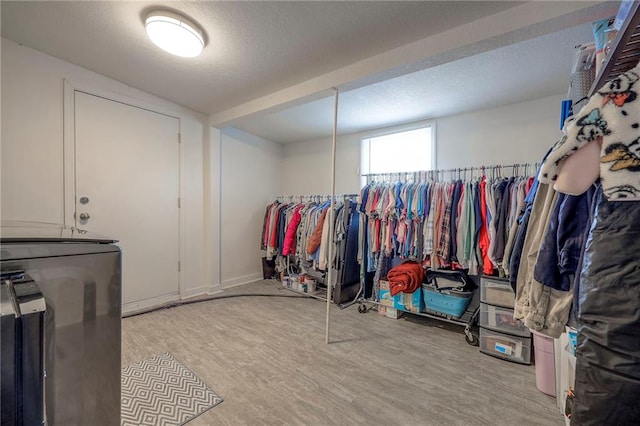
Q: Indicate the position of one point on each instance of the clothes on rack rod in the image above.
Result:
(302, 229)
(513, 225)
(290, 236)
(351, 266)
(546, 244)
(441, 224)
(483, 233)
(607, 283)
(550, 317)
(564, 240)
(521, 233)
(315, 239)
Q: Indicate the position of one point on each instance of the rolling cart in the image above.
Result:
(468, 320)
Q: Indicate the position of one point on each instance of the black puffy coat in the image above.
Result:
(607, 389)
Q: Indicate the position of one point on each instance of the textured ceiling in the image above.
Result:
(396, 61)
(527, 70)
(254, 48)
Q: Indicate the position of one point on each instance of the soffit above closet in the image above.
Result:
(531, 69)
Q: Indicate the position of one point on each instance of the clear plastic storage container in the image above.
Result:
(496, 292)
(501, 319)
(505, 346)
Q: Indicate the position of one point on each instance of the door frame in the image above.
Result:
(69, 166)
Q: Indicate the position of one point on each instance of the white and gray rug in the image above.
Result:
(162, 391)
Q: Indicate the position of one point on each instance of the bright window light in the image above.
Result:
(174, 33)
(408, 151)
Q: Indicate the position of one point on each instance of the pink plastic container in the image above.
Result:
(545, 363)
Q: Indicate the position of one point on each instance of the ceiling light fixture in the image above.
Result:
(174, 33)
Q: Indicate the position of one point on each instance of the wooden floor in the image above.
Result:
(267, 358)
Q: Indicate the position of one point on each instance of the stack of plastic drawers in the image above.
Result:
(500, 335)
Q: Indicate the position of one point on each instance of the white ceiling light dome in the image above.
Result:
(174, 33)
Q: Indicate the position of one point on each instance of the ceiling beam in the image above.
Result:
(523, 22)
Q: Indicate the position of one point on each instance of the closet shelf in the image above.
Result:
(626, 51)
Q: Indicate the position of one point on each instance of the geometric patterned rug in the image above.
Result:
(162, 391)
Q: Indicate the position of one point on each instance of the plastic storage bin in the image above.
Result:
(505, 346)
(501, 319)
(496, 292)
(545, 363)
(445, 302)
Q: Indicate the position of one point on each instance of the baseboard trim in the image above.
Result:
(198, 291)
(245, 279)
(144, 305)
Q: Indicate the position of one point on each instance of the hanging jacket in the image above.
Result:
(483, 240)
(608, 352)
(316, 238)
(265, 230)
(455, 210)
(290, 236)
(561, 248)
(611, 114)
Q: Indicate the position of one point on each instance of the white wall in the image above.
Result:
(32, 148)
(251, 177)
(229, 177)
(307, 166)
(518, 133)
(508, 134)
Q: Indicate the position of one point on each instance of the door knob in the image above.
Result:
(84, 216)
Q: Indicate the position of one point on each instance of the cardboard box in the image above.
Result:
(389, 312)
(412, 302)
(384, 294)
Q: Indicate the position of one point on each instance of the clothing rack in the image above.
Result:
(343, 272)
(312, 197)
(459, 173)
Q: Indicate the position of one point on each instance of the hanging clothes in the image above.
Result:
(607, 373)
(608, 352)
(313, 243)
(439, 224)
(483, 235)
(292, 229)
(303, 229)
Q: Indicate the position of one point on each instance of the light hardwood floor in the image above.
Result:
(267, 358)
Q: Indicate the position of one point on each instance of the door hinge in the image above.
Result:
(179, 203)
(179, 137)
(179, 266)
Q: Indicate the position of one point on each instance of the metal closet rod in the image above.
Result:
(314, 196)
(456, 170)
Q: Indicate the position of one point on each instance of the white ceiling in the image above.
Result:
(254, 48)
(264, 60)
(523, 71)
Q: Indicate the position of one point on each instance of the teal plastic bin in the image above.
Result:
(449, 302)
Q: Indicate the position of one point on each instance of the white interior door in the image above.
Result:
(127, 188)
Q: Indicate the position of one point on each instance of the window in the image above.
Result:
(407, 151)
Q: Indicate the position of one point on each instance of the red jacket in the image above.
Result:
(483, 241)
(290, 236)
